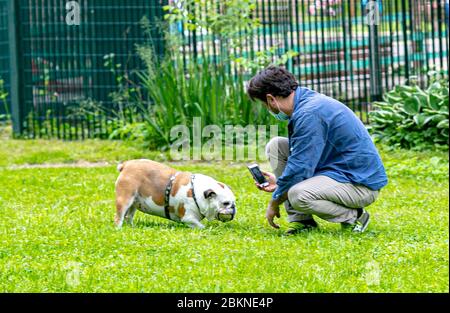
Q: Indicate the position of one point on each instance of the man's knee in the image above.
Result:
(299, 198)
(274, 144)
(370, 198)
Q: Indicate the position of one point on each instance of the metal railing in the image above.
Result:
(57, 69)
(4, 57)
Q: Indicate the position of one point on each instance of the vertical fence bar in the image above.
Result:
(365, 81)
(374, 50)
(389, 66)
(322, 53)
(405, 39)
(440, 35)
(5, 107)
(360, 59)
(348, 54)
(344, 28)
(296, 41)
(15, 68)
(302, 48)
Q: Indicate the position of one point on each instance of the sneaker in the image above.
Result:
(299, 227)
(361, 223)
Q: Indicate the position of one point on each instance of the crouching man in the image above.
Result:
(327, 167)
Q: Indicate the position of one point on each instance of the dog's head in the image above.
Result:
(220, 201)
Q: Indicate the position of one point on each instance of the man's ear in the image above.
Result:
(209, 194)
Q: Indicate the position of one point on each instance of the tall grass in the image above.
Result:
(3, 98)
(178, 91)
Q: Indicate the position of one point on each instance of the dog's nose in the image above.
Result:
(233, 211)
(227, 214)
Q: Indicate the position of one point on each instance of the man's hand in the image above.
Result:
(272, 211)
(272, 182)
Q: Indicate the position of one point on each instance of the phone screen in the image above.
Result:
(257, 174)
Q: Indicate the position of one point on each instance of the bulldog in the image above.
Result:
(160, 190)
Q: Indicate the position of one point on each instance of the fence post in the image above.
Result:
(15, 96)
(373, 18)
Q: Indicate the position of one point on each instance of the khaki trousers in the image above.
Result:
(319, 195)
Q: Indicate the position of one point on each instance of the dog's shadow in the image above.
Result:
(241, 229)
(150, 223)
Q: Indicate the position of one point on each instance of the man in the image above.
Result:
(328, 167)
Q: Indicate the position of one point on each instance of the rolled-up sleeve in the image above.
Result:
(307, 142)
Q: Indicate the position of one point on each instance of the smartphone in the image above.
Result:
(258, 175)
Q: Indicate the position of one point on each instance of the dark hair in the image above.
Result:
(273, 80)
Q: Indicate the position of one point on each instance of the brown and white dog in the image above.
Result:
(160, 190)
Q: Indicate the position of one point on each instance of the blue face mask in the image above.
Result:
(281, 116)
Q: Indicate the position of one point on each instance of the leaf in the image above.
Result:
(434, 87)
(392, 97)
(444, 110)
(412, 105)
(435, 102)
(443, 124)
(404, 88)
(422, 99)
(437, 118)
(419, 119)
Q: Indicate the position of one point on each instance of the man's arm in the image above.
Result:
(274, 210)
(307, 143)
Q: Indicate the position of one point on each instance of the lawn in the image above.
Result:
(57, 234)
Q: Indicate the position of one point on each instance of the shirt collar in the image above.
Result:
(297, 99)
(299, 96)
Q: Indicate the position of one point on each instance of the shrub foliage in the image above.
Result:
(413, 118)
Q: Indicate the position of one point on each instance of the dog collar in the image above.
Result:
(169, 189)
(167, 195)
(193, 192)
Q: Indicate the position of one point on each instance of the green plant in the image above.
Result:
(175, 88)
(412, 117)
(3, 98)
(179, 93)
(230, 23)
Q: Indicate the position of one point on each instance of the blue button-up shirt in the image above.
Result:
(327, 138)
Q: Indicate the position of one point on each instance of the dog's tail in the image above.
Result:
(120, 166)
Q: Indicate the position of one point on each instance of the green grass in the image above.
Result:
(17, 152)
(57, 233)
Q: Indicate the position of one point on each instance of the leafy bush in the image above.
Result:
(413, 118)
(176, 87)
(230, 27)
(177, 94)
(3, 97)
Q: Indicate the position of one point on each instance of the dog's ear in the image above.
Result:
(209, 194)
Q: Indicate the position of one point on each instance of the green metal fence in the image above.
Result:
(340, 53)
(60, 86)
(61, 73)
(4, 56)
